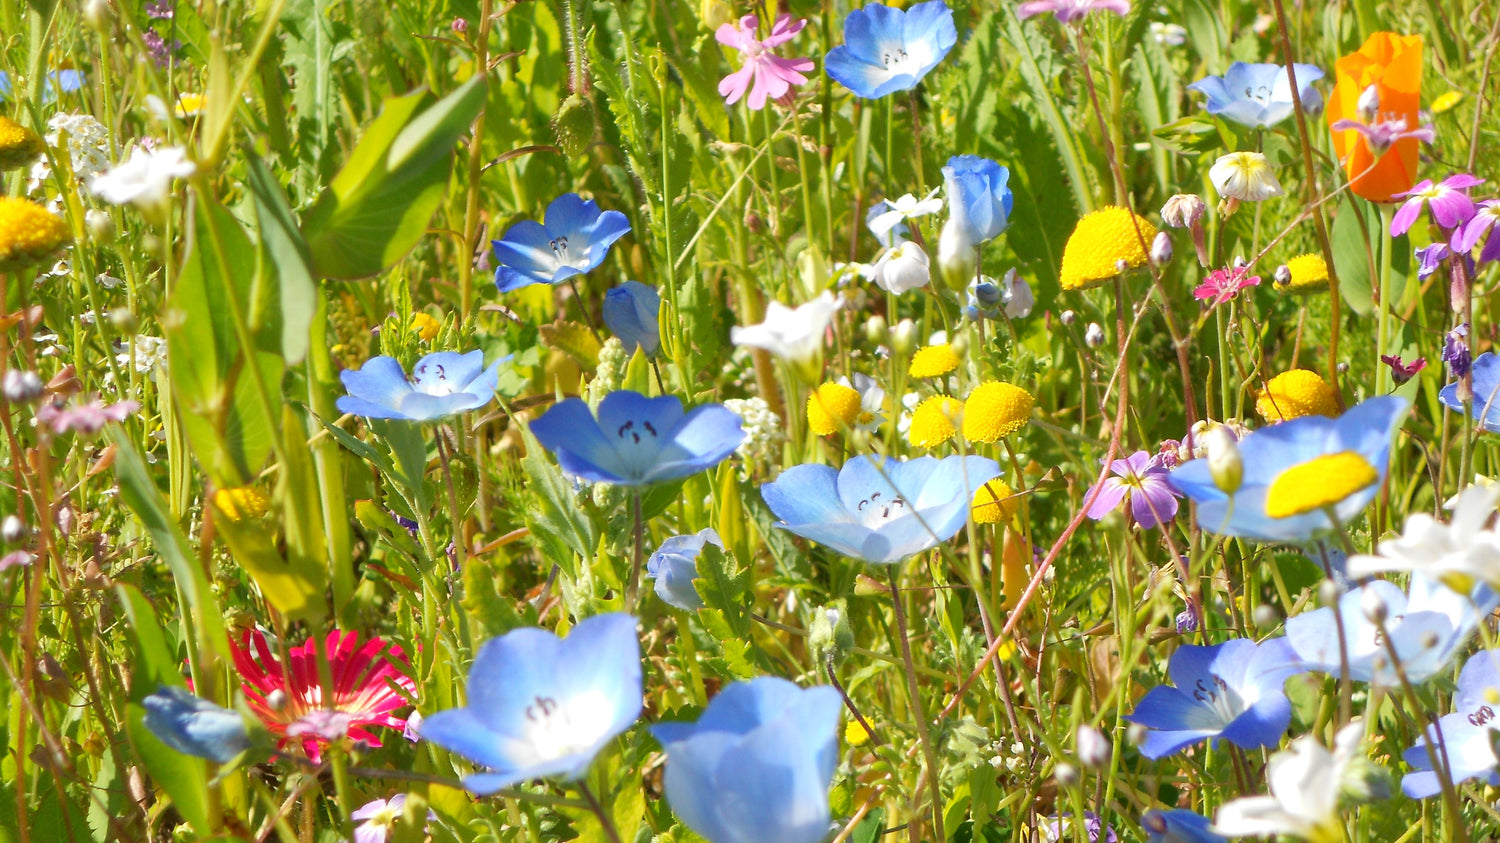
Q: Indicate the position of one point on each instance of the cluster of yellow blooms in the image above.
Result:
(29, 233)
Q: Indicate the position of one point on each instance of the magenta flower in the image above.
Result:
(1486, 214)
(1140, 482)
(764, 74)
(88, 418)
(1221, 285)
(1403, 372)
(1068, 11)
(1451, 206)
(1380, 136)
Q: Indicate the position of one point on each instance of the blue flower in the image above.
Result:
(636, 440)
(1231, 691)
(887, 50)
(1303, 445)
(881, 511)
(542, 706)
(1426, 625)
(574, 239)
(630, 312)
(675, 566)
(979, 202)
(1178, 826)
(1462, 738)
(757, 765)
(1259, 94)
(67, 81)
(1486, 404)
(195, 726)
(442, 384)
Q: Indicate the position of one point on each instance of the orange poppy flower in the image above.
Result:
(1393, 64)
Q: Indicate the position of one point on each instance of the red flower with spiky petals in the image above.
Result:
(364, 681)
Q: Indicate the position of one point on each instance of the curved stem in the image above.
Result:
(604, 820)
(915, 698)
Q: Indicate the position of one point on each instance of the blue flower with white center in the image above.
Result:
(542, 706)
(757, 765)
(441, 385)
(1231, 691)
(1179, 826)
(1259, 95)
(879, 510)
(1462, 739)
(67, 81)
(674, 565)
(636, 440)
(195, 726)
(979, 200)
(630, 311)
(1486, 404)
(573, 239)
(1426, 625)
(886, 50)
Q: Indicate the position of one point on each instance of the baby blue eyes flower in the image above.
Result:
(978, 199)
(573, 239)
(542, 706)
(1259, 95)
(757, 765)
(195, 726)
(887, 50)
(1486, 404)
(66, 80)
(636, 440)
(1231, 691)
(674, 565)
(881, 511)
(441, 384)
(630, 311)
(1463, 737)
(1178, 826)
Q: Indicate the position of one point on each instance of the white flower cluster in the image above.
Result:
(609, 375)
(88, 149)
(763, 434)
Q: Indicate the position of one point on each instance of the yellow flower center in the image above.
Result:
(19, 145)
(28, 233)
(1101, 241)
(932, 423)
(855, 734)
(995, 410)
(1309, 274)
(190, 105)
(1320, 482)
(242, 503)
(1297, 393)
(994, 503)
(934, 361)
(832, 407)
(426, 325)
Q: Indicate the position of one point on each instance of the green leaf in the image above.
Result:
(1351, 258)
(378, 206)
(286, 251)
(557, 515)
(725, 589)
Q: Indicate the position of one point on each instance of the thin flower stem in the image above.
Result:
(588, 317)
(1382, 376)
(632, 588)
(604, 820)
(460, 543)
(848, 703)
(476, 165)
(336, 757)
(915, 697)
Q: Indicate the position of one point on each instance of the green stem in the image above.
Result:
(914, 696)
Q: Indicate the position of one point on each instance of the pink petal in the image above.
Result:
(1461, 181)
(1407, 215)
(1109, 498)
(739, 36)
(783, 31)
(733, 86)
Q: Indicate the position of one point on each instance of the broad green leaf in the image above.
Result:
(725, 589)
(302, 516)
(557, 515)
(284, 249)
(1351, 258)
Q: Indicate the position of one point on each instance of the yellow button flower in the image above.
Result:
(1318, 483)
(996, 410)
(19, 146)
(1100, 242)
(242, 503)
(1306, 274)
(855, 734)
(426, 325)
(934, 361)
(832, 407)
(1445, 102)
(994, 503)
(29, 233)
(1297, 393)
(933, 422)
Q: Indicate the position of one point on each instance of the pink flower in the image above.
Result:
(1068, 11)
(1221, 285)
(1403, 372)
(1140, 483)
(1383, 135)
(1486, 215)
(87, 419)
(1451, 206)
(764, 74)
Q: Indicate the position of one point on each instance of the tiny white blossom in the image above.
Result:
(1304, 781)
(144, 179)
(794, 335)
(905, 208)
(903, 267)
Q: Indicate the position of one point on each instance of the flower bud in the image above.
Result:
(1093, 747)
(1136, 734)
(13, 529)
(1161, 249)
(1183, 210)
(21, 386)
(1283, 275)
(1364, 781)
(957, 256)
(1093, 335)
(1066, 774)
(1373, 605)
(959, 344)
(1368, 105)
(276, 700)
(101, 226)
(904, 337)
(876, 329)
(1265, 616)
(96, 14)
(1068, 317)
(1020, 300)
(1225, 465)
(459, 26)
(830, 637)
(1329, 592)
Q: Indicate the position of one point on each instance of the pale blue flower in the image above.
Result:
(630, 311)
(1463, 739)
(195, 726)
(675, 566)
(756, 766)
(879, 510)
(979, 200)
(1259, 95)
(573, 239)
(1178, 826)
(542, 706)
(886, 50)
(67, 81)
(442, 384)
(636, 440)
(1486, 404)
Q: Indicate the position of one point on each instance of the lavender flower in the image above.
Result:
(1456, 351)
(1451, 206)
(1430, 259)
(1139, 481)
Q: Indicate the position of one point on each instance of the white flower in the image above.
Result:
(88, 148)
(957, 254)
(1245, 177)
(1018, 297)
(1458, 553)
(903, 267)
(144, 179)
(906, 208)
(871, 401)
(1093, 335)
(794, 335)
(1168, 34)
(149, 352)
(1305, 781)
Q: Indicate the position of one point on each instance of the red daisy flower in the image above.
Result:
(363, 692)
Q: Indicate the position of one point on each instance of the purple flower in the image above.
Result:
(1483, 219)
(87, 419)
(1068, 11)
(1381, 136)
(765, 75)
(161, 51)
(15, 559)
(1430, 259)
(379, 818)
(1451, 206)
(159, 11)
(1403, 372)
(1456, 351)
(1141, 482)
(1059, 828)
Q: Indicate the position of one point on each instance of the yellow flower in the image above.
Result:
(1446, 102)
(1297, 393)
(242, 503)
(855, 734)
(190, 105)
(932, 423)
(934, 361)
(1318, 483)
(28, 233)
(1309, 274)
(19, 146)
(426, 325)
(996, 410)
(832, 407)
(994, 503)
(1101, 240)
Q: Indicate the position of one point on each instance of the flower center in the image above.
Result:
(638, 444)
(879, 508)
(1217, 695)
(1318, 483)
(557, 729)
(1261, 94)
(895, 59)
(564, 257)
(432, 379)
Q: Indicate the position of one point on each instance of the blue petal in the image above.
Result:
(700, 440)
(525, 252)
(746, 706)
(444, 372)
(1262, 724)
(853, 540)
(775, 785)
(630, 311)
(1169, 709)
(422, 407)
(569, 430)
(1161, 744)
(859, 76)
(805, 494)
(380, 381)
(602, 657)
(690, 782)
(1479, 678)
(638, 428)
